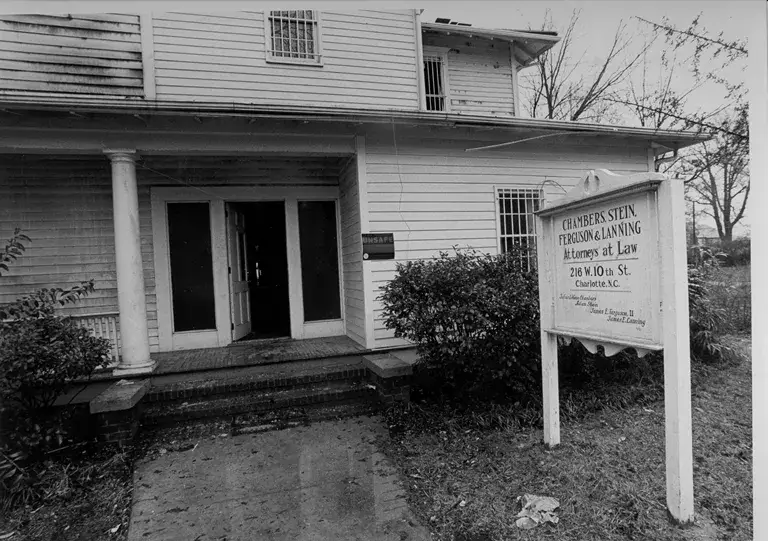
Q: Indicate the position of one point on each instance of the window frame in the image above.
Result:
(318, 59)
(442, 54)
(497, 192)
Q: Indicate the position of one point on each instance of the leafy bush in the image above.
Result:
(40, 353)
(474, 318)
(475, 321)
(706, 318)
(737, 252)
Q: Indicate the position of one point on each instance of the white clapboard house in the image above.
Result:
(216, 173)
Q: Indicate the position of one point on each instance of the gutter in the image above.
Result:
(95, 104)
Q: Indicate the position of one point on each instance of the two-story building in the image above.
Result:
(216, 173)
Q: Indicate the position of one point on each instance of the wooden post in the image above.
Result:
(677, 359)
(549, 376)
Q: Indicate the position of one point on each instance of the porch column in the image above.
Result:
(134, 339)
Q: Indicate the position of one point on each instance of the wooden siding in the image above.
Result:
(72, 54)
(433, 195)
(479, 75)
(352, 253)
(369, 60)
(65, 206)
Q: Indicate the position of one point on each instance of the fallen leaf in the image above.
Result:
(462, 503)
(114, 530)
(621, 439)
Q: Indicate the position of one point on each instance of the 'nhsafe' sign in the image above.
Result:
(613, 273)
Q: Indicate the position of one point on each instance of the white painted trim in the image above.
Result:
(162, 271)
(422, 104)
(340, 263)
(216, 197)
(195, 340)
(175, 143)
(221, 293)
(433, 50)
(248, 193)
(169, 340)
(295, 292)
(317, 329)
(651, 160)
(515, 80)
(365, 227)
(340, 256)
(442, 52)
(498, 218)
(148, 55)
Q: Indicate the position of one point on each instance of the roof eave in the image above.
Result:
(543, 42)
(666, 138)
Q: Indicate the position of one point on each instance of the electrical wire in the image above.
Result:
(510, 143)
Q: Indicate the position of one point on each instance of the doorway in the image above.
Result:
(258, 270)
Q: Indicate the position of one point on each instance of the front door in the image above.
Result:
(237, 248)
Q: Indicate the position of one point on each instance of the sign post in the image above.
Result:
(613, 273)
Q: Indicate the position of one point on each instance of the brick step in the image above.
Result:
(296, 374)
(161, 413)
(249, 423)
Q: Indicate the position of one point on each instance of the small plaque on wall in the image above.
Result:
(378, 246)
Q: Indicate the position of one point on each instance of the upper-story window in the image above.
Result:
(435, 87)
(294, 37)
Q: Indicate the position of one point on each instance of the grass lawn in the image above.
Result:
(608, 473)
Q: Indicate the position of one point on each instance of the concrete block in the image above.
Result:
(386, 366)
(409, 355)
(123, 395)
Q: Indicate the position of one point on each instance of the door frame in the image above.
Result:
(217, 196)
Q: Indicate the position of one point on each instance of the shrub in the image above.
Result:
(40, 353)
(737, 252)
(474, 318)
(475, 321)
(707, 320)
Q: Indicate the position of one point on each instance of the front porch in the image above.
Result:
(192, 244)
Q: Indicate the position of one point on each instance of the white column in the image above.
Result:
(134, 339)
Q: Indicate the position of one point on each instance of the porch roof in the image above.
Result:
(15, 107)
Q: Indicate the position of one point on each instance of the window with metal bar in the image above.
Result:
(434, 83)
(517, 223)
(294, 36)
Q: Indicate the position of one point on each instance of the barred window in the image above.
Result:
(517, 223)
(294, 36)
(434, 83)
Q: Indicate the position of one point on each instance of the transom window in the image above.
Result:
(517, 223)
(294, 37)
(434, 83)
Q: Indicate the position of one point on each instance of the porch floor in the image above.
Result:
(254, 353)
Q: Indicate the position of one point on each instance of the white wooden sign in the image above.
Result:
(613, 273)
